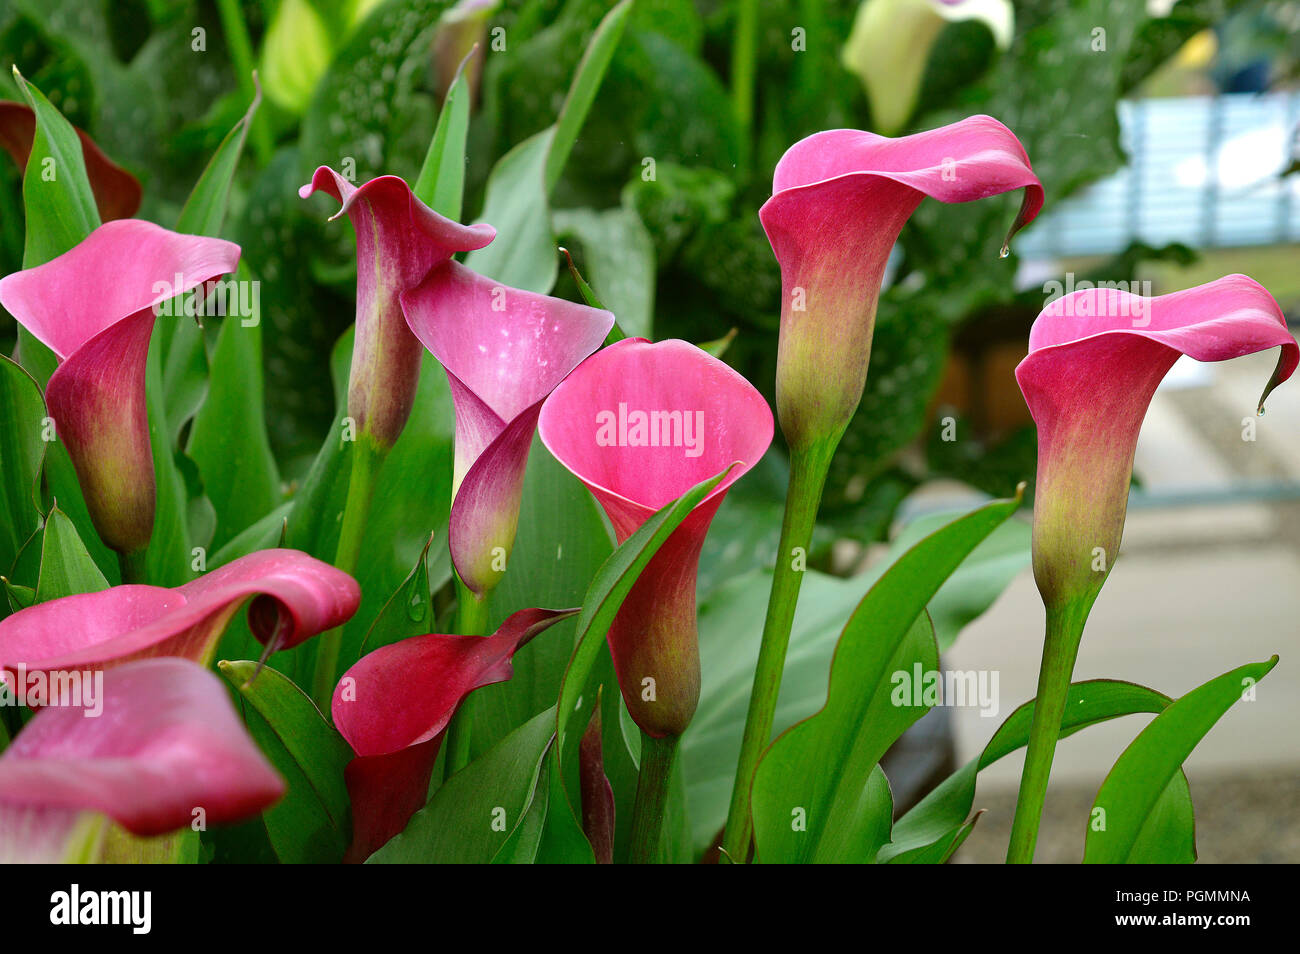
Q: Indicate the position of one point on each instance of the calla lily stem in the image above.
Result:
(367, 458)
(133, 566)
(657, 755)
(471, 620)
(744, 54)
(1060, 648)
(808, 470)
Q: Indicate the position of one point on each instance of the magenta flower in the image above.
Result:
(1095, 359)
(394, 705)
(159, 744)
(294, 597)
(399, 239)
(640, 424)
(504, 350)
(839, 200)
(94, 307)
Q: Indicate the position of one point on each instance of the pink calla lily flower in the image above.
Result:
(294, 597)
(161, 741)
(394, 705)
(94, 307)
(1095, 359)
(504, 350)
(839, 200)
(640, 424)
(399, 239)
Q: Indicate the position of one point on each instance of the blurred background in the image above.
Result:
(1165, 135)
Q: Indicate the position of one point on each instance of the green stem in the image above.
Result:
(367, 457)
(133, 566)
(651, 797)
(807, 477)
(744, 54)
(471, 620)
(1060, 648)
(240, 47)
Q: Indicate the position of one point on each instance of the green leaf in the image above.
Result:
(476, 812)
(731, 625)
(57, 197)
(1136, 794)
(311, 824)
(928, 831)
(168, 559)
(549, 834)
(19, 597)
(408, 612)
(66, 565)
(228, 441)
(21, 453)
(619, 259)
(820, 765)
(979, 581)
(1169, 835)
(523, 253)
(441, 183)
(205, 209)
(262, 535)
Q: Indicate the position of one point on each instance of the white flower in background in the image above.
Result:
(890, 43)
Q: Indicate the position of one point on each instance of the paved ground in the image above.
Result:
(1199, 589)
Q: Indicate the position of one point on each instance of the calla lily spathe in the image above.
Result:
(393, 708)
(166, 744)
(890, 44)
(1095, 359)
(399, 239)
(839, 200)
(94, 307)
(504, 350)
(640, 424)
(294, 597)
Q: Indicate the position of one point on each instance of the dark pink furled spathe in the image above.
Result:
(654, 635)
(93, 306)
(394, 705)
(168, 742)
(504, 350)
(1095, 360)
(399, 239)
(294, 596)
(839, 200)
